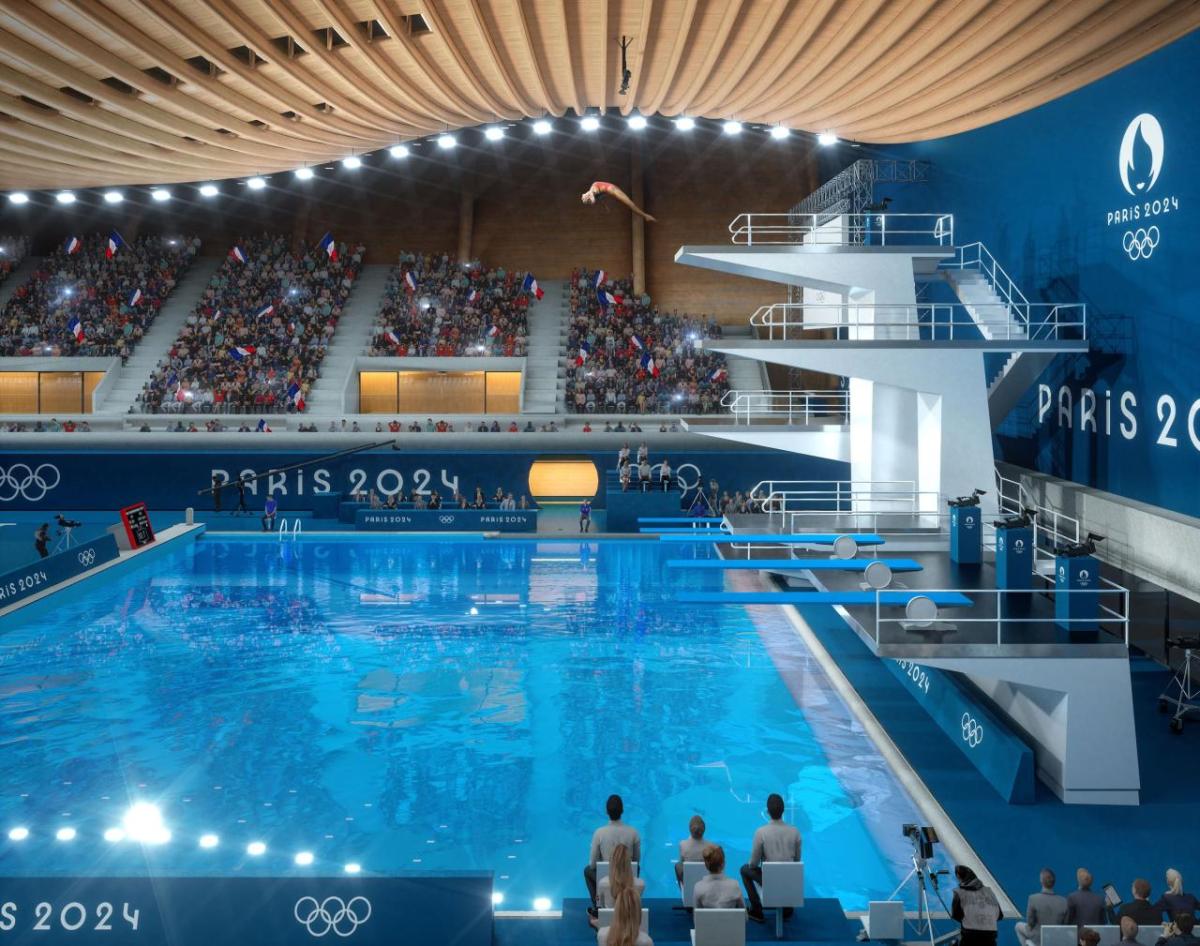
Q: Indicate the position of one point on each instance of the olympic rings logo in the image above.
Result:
(445, 520)
(1140, 243)
(332, 913)
(29, 484)
(972, 732)
(87, 557)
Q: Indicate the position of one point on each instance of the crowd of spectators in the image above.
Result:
(87, 286)
(630, 357)
(67, 426)
(13, 249)
(255, 342)
(451, 308)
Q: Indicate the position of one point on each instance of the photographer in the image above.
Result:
(41, 538)
(976, 909)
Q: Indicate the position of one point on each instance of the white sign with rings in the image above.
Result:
(972, 732)
(28, 483)
(332, 914)
(87, 557)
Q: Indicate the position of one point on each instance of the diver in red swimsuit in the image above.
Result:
(599, 188)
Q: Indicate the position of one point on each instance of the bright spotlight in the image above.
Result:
(827, 138)
(352, 162)
(778, 132)
(65, 197)
(209, 190)
(114, 835)
(589, 123)
(256, 183)
(143, 822)
(474, 612)
(303, 174)
(542, 127)
(541, 904)
(497, 898)
(493, 133)
(18, 197)
(353, 868)
(398, 151)
(18, 834)
(685, 123)
(732, 128)
(160, 194)
(637, 122)
(209, 841)
(303, 858)
(113, 197)
(446, 142)
(256, 848)
(65, 834)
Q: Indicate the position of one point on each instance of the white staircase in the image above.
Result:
(546, 350)
(745, 374)
(157, 342)
(996, 319)
(18, 277)
(352, 338)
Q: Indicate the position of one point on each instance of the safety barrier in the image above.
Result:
(798, 407)
(755, 229)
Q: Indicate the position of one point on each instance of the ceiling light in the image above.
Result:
(65, 834)
(160, 194)
(303, 858)
(685, 123)
(143, 822)
(732, 128)
(209, 190)
(398, 151)
(353, 868)
(497, 898)
(827, 138)
(256, 848)
(256, 183)
(304, 174)
(589, 123)
(65, 197)
(209, 841)
(18, 834)
(542, 127)
(352, 162)
(493, 133)
(778, 132)
(113, 197)
(541, 904)
(637, 122)
(114, 835)
(18, 197)
(446, 142)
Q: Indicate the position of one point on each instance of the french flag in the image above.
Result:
(264, 312)
(76, 328)
(135, 298)
(411, 281)
(530, 286)
(296, 396)
(601, 278)
(607, 298)
(73, 245)
(636, 343)
(241, 352)
(718, 375)
(392, 337)
(238, 253)
(649, 366)
(584, 350)
(329, 246)
(493, 331)
(473, 295)
(114, 243)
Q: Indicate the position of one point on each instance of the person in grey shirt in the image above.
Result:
(774, 841)
(1045, 908)
(1085, 907)
(604, 839)
(692, 847)
(715, 889)
(1129, 931)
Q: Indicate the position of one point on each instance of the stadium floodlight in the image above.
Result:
(732, 128)
(398, 151)
(303, 859)
(144, 822)
(827, 138)
(352, 162)
(497, 898)
(541, 904)
(18, 197)
(685, 123)
(637, 122)
(542, 127)
(303, 174)
(65, 197)
(114, 835)
(113, 197)
(256, 183)
(19, 833)
(65, 834)
(209, 190)
(353, 868)
(493, 133)
(779, 132)
(446, 142)
(209, 841)
(589, 123)
(256, 848)
(160, 194)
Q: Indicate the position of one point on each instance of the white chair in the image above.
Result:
(782, 888)
(606, 918)
(602, 870)
(692, 871)
(719, 927)
(884, 920)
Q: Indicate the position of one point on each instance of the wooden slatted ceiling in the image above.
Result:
(870, 70)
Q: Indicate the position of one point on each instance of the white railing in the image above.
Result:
(976, 256)
(914, 515)
(752, 229)
(851, 322)
(785, 498)
(797, 407)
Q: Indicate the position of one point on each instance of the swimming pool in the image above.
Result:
(411, 705)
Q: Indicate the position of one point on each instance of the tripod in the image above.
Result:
(922, 924)
(66, 539)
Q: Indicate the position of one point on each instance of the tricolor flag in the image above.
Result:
(329, 246)
(238, 253)
(411, 281)
(73, 245)
(135, 298)
(392, 337)
(718, 375)
(76, 328)
(114, 243)
(636, 343)
(649, 366)
(296, 396)
(241, 352)
(264, 312)
(493, 331)
(607, 298)
(530, 286)
(601, 278)
(584, 350)
(472, 295)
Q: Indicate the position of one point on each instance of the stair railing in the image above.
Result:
(976, 256)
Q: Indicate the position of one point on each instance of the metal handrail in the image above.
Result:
(803, 407)
(755, 229)
(977, 256)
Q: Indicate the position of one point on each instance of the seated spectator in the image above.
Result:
(587, 428)
(1129, 931)
(715, 890)
(529, 427)
(1140, 909)
(1085, 907)
(774, 841)
(1182, 935)
(1175, 900)
(605, 840)
(975, 908)
(692, 847)
(1045, 908)
(624, 475)
(1089, 937)
(524, 503)
(513, 428)
(620, 876)
(664, 475)
(644, 475)
(626, 928)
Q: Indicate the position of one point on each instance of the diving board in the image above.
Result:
(798, 564)
(776, 538)
(892, 599)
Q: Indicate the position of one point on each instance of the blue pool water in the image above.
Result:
(415, 706)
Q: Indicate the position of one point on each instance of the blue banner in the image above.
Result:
(446, 520)
(203, 911)
(28, 580)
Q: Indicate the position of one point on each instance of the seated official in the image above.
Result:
(1129, 931)
(1180, 931)
(1176, 900)
(605, 840)
(1140, 909)
(692, 847)
(774, 841)
(644, 475)
(626, 928)
(620, 876)
(1085, 907)
(1045, 908)
(715, 890)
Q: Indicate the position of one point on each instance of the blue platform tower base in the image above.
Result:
(966, 535)
(1014, 559)
(1074, 609)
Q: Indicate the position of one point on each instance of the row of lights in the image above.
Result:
(446, 142)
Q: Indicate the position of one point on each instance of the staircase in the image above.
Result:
(745, 374)
(996, 319)
(1013, 379)
(17, 278)
(157, 342)
(352, 339)
(546, 351)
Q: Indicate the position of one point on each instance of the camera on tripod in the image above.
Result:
(1026, 517)
(66, 525)
(972, 500)
(1078, 549)
(923, 839)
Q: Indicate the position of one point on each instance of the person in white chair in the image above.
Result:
(626, 928)
(715, 890)
(604, 841)
(774, 841)
(692, 847)
(620, 876)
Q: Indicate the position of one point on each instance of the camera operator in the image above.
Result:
(976, 909)
(40, 540)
